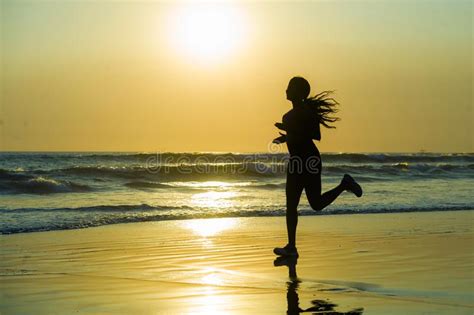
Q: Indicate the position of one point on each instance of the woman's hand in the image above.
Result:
(280, 126)
(280, 139)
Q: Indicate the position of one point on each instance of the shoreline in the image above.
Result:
(301, 213)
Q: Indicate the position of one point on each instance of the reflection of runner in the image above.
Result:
(302, 125)
(292, 298)
(292, 292)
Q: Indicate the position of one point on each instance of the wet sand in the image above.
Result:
(403, 263)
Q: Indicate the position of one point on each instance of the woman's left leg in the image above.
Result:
(319, 201)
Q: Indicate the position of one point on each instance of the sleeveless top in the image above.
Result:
(301, 123)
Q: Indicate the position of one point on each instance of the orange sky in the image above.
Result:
(89, 76)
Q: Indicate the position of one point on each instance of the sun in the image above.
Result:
(207, 32)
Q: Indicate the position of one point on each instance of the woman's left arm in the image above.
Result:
(281, 126)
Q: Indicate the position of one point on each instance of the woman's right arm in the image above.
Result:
(280, 139)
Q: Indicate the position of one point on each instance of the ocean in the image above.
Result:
(54, 191)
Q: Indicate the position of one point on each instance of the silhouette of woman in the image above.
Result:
(302, 125)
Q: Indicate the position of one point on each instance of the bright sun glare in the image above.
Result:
(210, 227)
(207, 32)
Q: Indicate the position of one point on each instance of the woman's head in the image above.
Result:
(298, 89)
(323, 104)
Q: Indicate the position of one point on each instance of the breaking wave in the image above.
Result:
(26, 184)
(105, 215)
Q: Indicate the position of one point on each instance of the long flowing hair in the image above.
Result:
(325, 106)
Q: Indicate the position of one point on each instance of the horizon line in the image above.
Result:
(231, 152)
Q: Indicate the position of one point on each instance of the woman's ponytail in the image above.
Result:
(324, 106)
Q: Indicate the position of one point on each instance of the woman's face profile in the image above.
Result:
(290, 92)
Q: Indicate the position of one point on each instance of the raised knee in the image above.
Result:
(316, 206)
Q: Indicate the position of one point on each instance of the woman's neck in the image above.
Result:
(297, 103)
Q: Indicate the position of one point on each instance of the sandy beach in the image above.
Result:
(401, 263)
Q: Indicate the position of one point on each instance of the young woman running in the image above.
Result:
(302, 125)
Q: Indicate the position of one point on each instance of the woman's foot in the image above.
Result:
(286, 251)
(351, 185)
(289, 261)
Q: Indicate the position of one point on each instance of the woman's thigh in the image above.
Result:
(294, 188)
(312, 186)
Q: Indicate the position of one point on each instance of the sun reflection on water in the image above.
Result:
(214, 199)
(210, 302)
(210, 299)
(212, 279)
(211, 184)
(210, 227)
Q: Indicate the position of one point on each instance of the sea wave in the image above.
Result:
(124, 216)
(79, 178)
(145, 184)
(172, 157)
(199, 157)
(173, 171)
(190, 172)
(397, 158)
(401, 168)
(100, 208)
(11, 183)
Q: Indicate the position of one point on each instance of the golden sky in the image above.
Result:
(168, 76)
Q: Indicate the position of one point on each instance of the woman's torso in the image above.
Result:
(299, 122)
